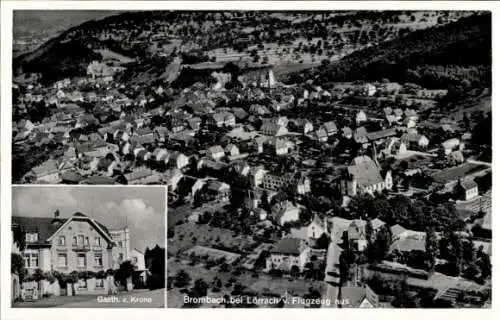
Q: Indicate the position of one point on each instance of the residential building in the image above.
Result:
(45, 173)
(215, 152)
(79, 243)
(415, 141)
(288, 252)
(467, 189)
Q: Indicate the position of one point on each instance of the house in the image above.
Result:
(232, 150)
(409, 123)
(368, 90)
(194, 123)
(287, 253)
(78, 243)
(285, 213)
(256, 176)
(258, 109)
(178, 160)
(160, 155)
(304, 126)
(395, 147)
(330, 128)
(215, 152)
(222, 119)
(365, 177)
(173, 178)
(272, 129)
(415, 141)
(278, 146)
(347, 132)
(219, 190)
(140, 275)
(298, 182)
(317, 228)
(376, 136)
(321, 135)
(359, 297)
(356, 236)
(451, 145)
(411, 114)
(47, 172)
(360, 135)
(142, 175)
(361, 117)
(467, 189)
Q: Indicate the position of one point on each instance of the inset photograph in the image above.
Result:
(88, 247)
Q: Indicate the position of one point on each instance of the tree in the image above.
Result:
(182, 279)
(200, 288)
(431, 248)
(125, 272)
(369, 231)
(378, 250)
(294, 271)
(403, 296)
(17, 265)
(323, 241)
(346, 263)
(265, 201)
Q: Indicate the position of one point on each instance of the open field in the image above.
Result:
(188, 235)
(213, 254)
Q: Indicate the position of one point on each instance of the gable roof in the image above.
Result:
(356, 295)
(47, 228)
(366, 173)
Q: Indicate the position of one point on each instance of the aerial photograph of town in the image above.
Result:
(88, 247)
(313, 159)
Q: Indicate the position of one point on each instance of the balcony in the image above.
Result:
(80, 247)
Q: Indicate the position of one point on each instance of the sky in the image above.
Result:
(51, 22)
(142, 209)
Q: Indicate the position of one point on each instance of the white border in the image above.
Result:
(5, 125)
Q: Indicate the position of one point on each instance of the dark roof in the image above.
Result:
(458, 172)
(468, 184)
(292, 246)
(43, 226)
(46, 227)
(381, 134)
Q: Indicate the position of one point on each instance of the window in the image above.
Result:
(120, 244)
(31, 237)
(80, 240)
(31, 260)
(81, 260)
(82, 283)
(74, 241)
(98, 259)
(99, 283)
(62, 241)
(120, 257)
(135, 260)
(87, 242)
(97, 241)
(62, 259)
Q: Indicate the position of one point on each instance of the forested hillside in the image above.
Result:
(434, 57)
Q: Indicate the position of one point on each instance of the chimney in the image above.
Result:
(56, 220)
